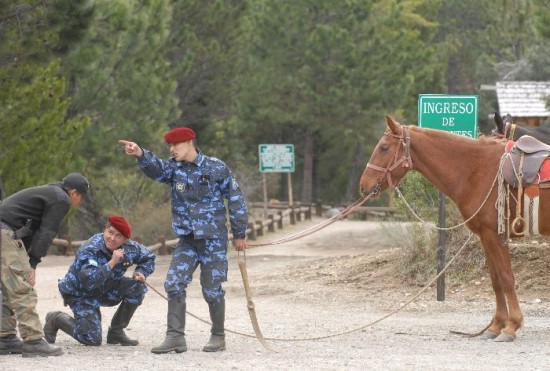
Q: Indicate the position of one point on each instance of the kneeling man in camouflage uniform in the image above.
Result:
(96, 278)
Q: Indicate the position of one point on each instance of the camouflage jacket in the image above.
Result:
(199, 191)
(91, 276)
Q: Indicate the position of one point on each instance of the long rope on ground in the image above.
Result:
(340, 333)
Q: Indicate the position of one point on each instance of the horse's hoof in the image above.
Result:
(488, 335)
(504, 338)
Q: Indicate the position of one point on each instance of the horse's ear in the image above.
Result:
(392, 124)
(498, 122)
(509, 118)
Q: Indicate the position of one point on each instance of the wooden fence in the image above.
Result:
(276, 217)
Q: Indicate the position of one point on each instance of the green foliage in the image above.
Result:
(35, 131)
(205, 45)
(420, 197)
(120, 78)
(77, 75)
(37, 136)
(332, 72)
(419, 239)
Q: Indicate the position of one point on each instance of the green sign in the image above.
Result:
(276, 158)
(454, 113)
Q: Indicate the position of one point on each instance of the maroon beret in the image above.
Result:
(121, 225)
(178, 135)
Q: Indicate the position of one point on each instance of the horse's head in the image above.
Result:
(500, 124)
(390, 160)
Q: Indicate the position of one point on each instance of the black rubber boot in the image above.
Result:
(56, 321)
(175, 323)
(120, 321)
(10, 344)
(40, 348)
(217, 337)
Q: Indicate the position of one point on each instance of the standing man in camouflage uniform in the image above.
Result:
(30, 220)
(96, 278)
(199, 186)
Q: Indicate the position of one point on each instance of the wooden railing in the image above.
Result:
(276, 216)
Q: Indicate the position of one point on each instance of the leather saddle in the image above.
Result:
(524, 162)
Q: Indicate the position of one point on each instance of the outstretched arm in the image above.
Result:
(131, 148)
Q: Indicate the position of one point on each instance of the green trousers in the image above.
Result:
(18, 296)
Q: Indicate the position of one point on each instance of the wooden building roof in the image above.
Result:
(523, 98)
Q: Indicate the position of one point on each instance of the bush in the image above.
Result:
(420, 239)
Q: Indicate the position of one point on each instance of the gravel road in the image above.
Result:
(295, 302)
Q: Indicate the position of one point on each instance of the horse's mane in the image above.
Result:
(488, 139)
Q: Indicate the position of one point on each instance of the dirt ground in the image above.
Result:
(307, 293)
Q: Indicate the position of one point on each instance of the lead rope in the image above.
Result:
(250, 304)
(244, 274)
(341, 215)
(263, 339)
(370, 324)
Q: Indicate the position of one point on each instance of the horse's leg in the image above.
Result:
(501, 313)
(508, 316)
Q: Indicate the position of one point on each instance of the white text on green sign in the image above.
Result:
(454, 113)
(276, 158)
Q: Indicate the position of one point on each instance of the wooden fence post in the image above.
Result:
(261, 228)
(280, 221)
(271, 225)
(252, 234)
(69, 248)
(319, 209)
(162, 248)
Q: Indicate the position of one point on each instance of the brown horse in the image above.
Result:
(465, 169)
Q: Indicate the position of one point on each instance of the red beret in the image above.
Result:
(121, 225)
(178, 135)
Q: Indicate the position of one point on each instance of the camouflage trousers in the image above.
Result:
(189, 253)
(87, 310)
(18, 296)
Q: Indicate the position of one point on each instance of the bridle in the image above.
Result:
(404, 161)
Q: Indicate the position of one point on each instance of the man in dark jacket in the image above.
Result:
(29, 221)
(96, 278)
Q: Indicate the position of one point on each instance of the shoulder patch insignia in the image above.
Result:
(92, 262)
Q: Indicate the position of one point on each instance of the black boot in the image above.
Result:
(10, 344)
(175, 323)
(56, 321)
(120, 321)
(40, 348)
(217, 337)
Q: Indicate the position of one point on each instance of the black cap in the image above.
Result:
(78, 182)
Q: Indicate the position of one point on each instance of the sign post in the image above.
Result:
(276, 158)
(456, 114)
